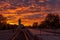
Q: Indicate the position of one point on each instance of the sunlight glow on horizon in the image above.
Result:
(29, 12)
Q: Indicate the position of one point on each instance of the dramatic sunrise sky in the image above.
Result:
(29, 11)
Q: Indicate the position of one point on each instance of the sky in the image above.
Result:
(29, 11)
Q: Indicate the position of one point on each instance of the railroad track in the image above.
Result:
(22, 34)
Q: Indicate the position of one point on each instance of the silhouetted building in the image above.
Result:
(20, 25)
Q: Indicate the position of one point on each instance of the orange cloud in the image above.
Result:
(4, 5)
(14, 14)
(41, 0)
(28, 14)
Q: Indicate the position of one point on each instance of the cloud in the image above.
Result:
(4, 5)
(28, 12)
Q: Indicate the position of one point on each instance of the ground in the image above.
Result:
(29, 34)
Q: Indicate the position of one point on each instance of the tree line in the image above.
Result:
(51, 21)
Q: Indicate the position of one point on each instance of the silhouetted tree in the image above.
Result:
(2, 22)
(42, 25)
(51, 21)
(35, 25)
(56, 21)
(59, 21)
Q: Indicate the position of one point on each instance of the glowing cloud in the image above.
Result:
(29, 12)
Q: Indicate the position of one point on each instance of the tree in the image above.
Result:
(35, 25)
(2, 19)
(2, 22)
(51, 21)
